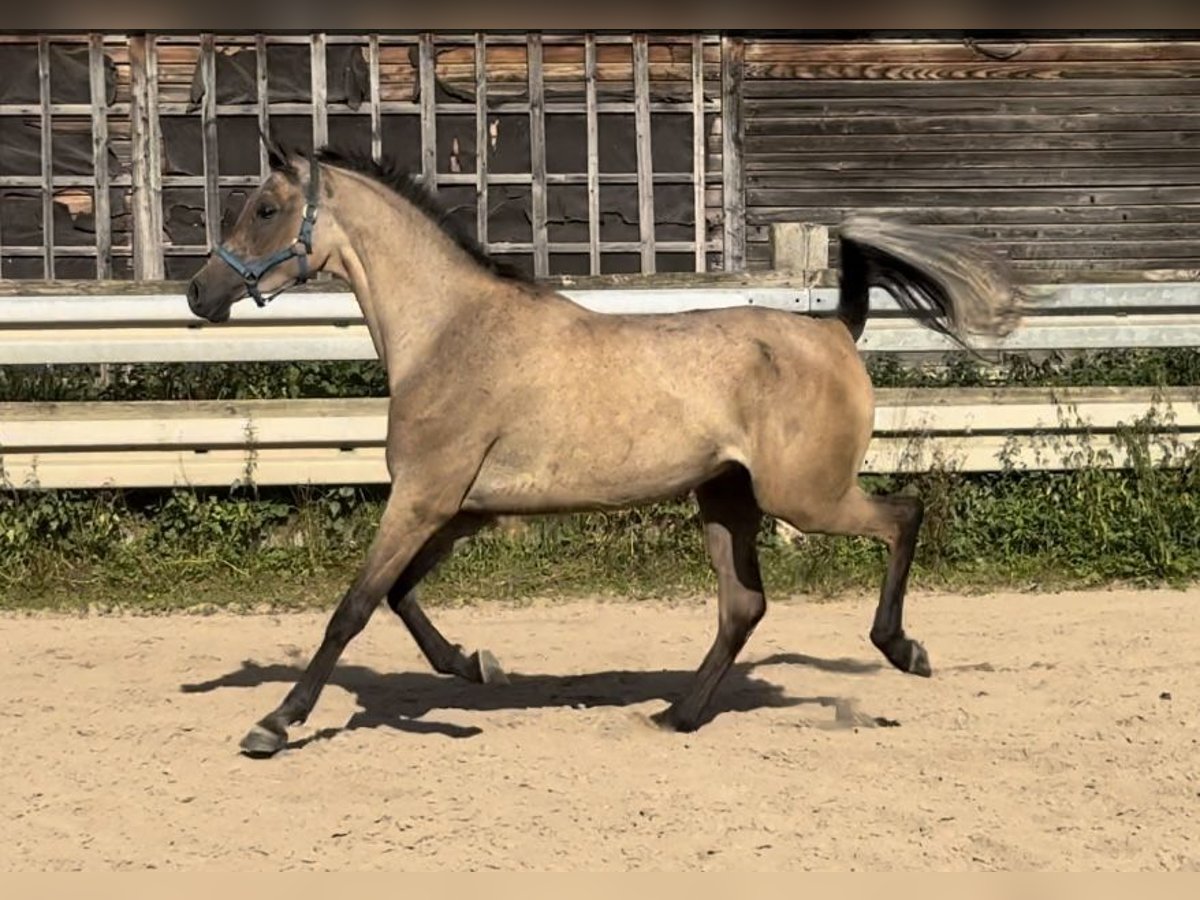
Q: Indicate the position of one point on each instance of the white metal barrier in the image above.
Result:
(92, 445)
(155, 325)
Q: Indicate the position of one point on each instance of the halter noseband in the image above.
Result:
(301, 248)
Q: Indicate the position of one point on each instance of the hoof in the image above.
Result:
(489, 669)
(918, 662)
(905, 654)
(669, 720)
(261, 742)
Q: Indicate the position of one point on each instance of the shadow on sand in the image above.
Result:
(402, 700)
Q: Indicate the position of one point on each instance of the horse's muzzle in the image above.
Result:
(212, 298)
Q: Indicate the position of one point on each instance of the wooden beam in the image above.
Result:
(482, 141)
(593, 154)
(733, 58)
(319, 92)
(146, 199)
(699, 157)
(47, 156)
(101, 201)
(376, 96)
(537, 155)
(428, 82)
(263, 104)
(208, 140)
(799, 248)
(645, 159)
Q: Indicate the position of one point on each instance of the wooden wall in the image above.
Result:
(1073, 155)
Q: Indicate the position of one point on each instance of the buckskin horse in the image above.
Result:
(507, 398)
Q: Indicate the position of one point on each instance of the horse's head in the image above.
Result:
(274, 244)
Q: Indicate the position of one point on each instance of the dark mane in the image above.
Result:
(407, 186)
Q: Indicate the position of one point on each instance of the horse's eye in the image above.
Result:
(267, 211)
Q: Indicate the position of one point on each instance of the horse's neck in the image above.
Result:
(411, 281)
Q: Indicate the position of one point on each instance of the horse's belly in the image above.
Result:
(583, 477)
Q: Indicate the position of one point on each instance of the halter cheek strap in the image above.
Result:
(252, 272)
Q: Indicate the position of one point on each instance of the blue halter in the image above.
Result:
(301, 248)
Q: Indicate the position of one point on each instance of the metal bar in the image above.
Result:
(428, 80)
(699, 164)
(101, 205)
(47, 158)
(320, 87)
(482, 140)
(376, 114)
(645, 159)
(537, 154)
(593, 153)
(263, 96)
(286, 342)
(88, 303)
(208, 140)
(733, 59)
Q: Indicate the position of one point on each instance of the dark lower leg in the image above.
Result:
(731, 519)
(393, 549)
(444, 657)
(269, 735)
(887, 631)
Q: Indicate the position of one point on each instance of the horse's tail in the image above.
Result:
(956, 282)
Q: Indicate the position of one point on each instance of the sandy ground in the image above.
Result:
(1058, 732)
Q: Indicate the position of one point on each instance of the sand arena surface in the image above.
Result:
(1059, 732)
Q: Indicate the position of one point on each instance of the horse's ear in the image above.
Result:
(277, 157)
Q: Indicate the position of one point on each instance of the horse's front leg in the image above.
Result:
(416, 509)
(445, 657)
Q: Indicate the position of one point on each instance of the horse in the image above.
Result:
(507, 398)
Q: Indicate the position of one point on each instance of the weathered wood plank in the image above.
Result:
(376, 96)
(426, 63)
(537, 156)
(1081, 103)
(263, 97)
(783, 135)
(766, 161)
(799, 248)
(733, 57)
(208, 140)
(998, 216)
(1066, 179)
(978, 124)
(926, 71)
(482, 140)
(1133, 49)
(1095, 233)
(145, 174)
(868, 91)
(101, 201)
(973, 196)
(319, 91)
(645, 163)
(47, 155)
(698, 149)
(593, 154)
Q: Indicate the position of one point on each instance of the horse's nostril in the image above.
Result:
(193, 293)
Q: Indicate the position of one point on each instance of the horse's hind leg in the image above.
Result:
(731, 519)
(887, 632)
(446, 658)
(896, 521)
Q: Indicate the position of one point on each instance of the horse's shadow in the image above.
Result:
(402, 700)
